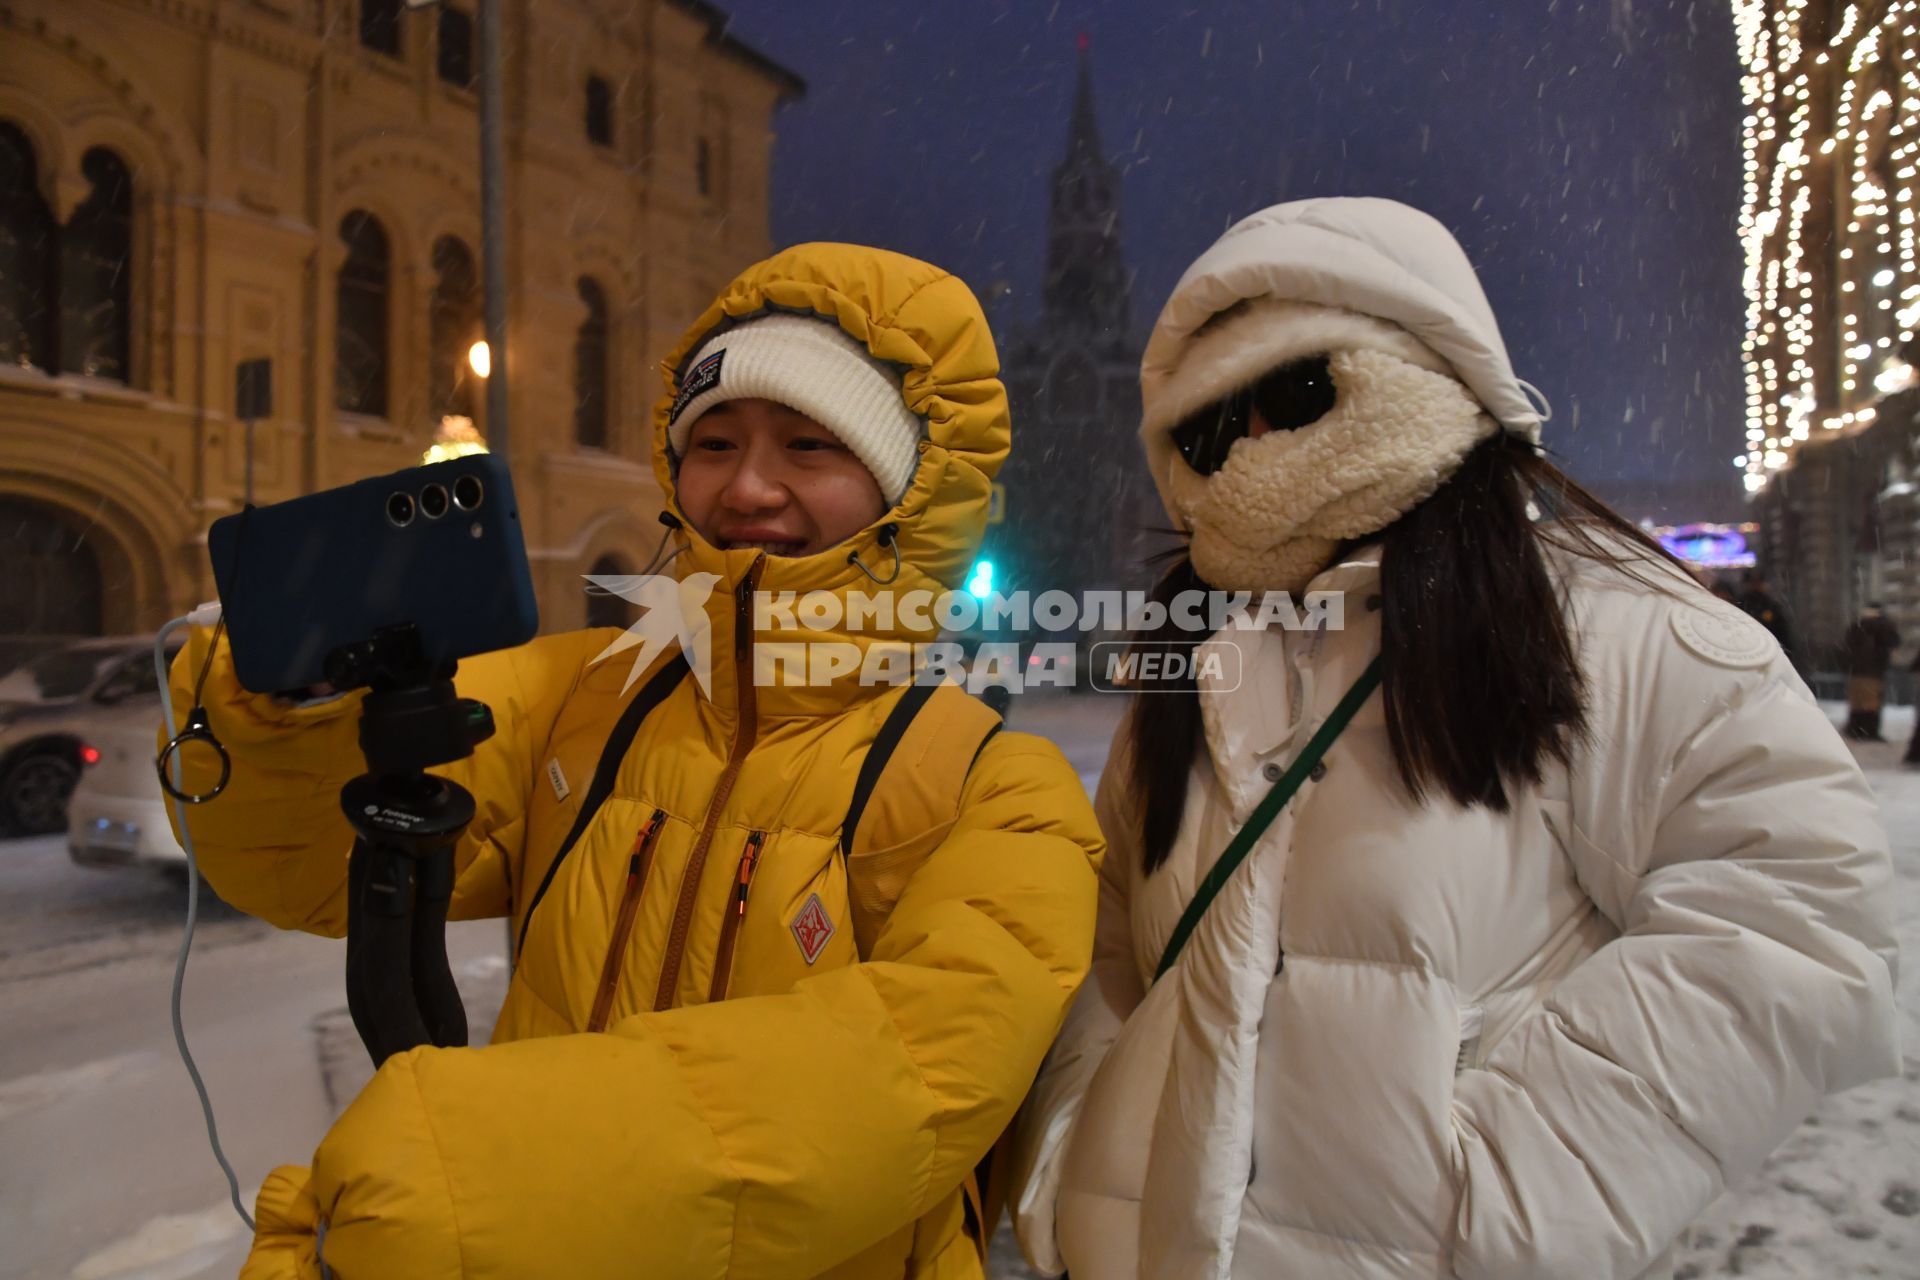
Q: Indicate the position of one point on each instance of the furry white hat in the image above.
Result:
(1376, 273)
(813, 366)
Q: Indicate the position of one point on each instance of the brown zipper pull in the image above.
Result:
(748, 861)
(647, 833)
(636, 861)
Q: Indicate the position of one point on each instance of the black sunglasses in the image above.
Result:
(1295, 395)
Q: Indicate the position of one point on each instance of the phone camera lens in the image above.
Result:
(433, 501)
(400, 509)
(467, 492)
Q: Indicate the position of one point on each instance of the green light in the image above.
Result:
(981, 583)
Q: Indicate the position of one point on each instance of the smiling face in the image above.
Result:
(759, 474)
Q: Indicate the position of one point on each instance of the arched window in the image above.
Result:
(380, 26)
(599, 112)
(455, 62)
(360, 322)
(27, 258)
(50, 576)
(603, 608)
(96, 251)
(453, 327)
(590, 369)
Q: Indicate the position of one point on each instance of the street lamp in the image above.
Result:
(493, 215)
(480, 358)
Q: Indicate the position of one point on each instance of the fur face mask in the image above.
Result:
(1272, 515)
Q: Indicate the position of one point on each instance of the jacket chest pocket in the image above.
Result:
(786, 916)
(735, 917)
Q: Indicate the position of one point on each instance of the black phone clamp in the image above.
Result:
(400, 988)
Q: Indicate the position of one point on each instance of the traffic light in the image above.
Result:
(980, 581)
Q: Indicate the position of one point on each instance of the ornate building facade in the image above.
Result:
(1074, 386)
(189, 184)
(1832, 147)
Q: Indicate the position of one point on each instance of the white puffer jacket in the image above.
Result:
(1416, 1040)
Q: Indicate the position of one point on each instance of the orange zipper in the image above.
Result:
(744, 733)
(637, 863)
(736, 916)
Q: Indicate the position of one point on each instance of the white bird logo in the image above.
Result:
(670, 610)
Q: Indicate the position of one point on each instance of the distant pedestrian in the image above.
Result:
(1913, 744)
(1866, 650)
(1757, 600)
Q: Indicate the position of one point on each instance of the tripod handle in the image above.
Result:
(435, 994)
(380, 951)
(400, 987)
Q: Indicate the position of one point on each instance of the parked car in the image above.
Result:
(43, 705)
(117, 815)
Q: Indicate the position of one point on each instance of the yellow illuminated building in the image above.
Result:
(1832, 148)
(189, 184)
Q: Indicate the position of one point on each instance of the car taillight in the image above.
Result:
(89, 755)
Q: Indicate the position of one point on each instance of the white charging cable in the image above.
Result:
(205, 616)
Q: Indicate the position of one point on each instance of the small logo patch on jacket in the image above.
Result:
(1724, 637)
(559, 780)
(812, 928)
(702, 377)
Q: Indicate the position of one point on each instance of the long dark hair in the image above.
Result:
(1482, 683)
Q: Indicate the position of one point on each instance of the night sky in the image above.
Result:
(1587, 154)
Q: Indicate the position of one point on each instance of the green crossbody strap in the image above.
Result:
(1266, 811)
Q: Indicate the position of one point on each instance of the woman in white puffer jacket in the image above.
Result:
(1576, 919)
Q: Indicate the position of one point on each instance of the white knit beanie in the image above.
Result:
(813, 366)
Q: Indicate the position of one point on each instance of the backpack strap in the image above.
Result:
(927, 720)
(651, 695)
(907, 796)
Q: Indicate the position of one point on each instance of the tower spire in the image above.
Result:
(1083, 142)
(1086, 290)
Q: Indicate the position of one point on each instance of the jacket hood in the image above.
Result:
(1362, 256)
(925, 323)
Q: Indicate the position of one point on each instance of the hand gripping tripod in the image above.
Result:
(400, 988)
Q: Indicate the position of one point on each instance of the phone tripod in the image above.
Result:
(400, 988)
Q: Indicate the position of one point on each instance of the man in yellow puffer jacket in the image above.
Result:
(729, 1048)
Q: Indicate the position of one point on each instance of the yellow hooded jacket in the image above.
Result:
(674, 1089)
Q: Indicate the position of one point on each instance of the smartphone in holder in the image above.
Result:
(438, 546)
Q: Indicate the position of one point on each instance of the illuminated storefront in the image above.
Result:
(1718, 550)
(1831, 150)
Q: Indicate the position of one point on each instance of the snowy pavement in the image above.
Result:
(105, 1172)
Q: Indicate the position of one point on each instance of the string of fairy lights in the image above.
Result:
(1831, 144)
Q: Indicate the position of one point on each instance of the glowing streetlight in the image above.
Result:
(480, 359)
(456, 438)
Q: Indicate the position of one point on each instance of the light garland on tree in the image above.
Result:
(1872, 283)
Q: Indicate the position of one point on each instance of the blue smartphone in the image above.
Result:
(438, 546)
